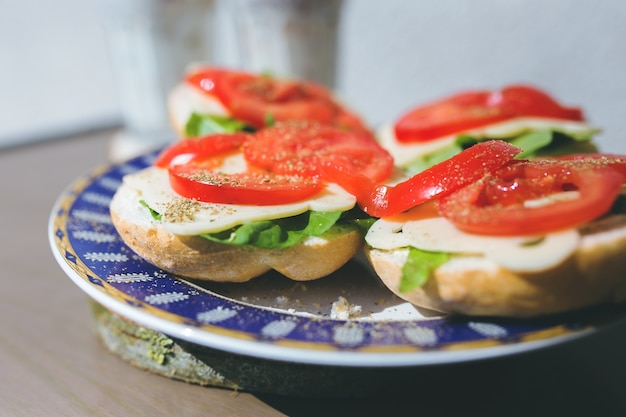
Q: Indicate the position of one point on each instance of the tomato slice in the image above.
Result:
(194, 149)
(617, 162)
(256, 99)
(535, 197)
(194, 164)
(474, 109)
(449, 116)
(302, 149)
(442, 179)
(451, 174)
(521, 100)
(255, 188)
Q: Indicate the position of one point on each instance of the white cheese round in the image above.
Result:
(518, 253)
(154, 188)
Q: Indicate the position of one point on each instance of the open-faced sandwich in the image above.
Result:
(519, 114)
(242, 194)
(536, 235)
(217, 100)
(229, 207)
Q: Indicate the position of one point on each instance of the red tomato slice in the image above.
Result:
(194, 164)
(474, 109)
(451, 174)
(521, 100)
(439, 180)
(255, 188)
(529, 197)
(194, 149)
(255, 98)
(379, 200)
(617, 162)
(302, 148)
(446, 117)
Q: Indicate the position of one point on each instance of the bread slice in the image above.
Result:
(473, 285)
(199, 258)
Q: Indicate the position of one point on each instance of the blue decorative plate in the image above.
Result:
(272, 317)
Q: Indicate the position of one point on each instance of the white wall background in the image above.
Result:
(412, 51)
(55, 74)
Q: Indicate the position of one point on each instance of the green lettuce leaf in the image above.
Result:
(278, 233)
(418, 268)
(532, 142)
(155, 215)
(563, 144)
(535, 143)
(205, 124)
(424, 162)
(285, 232)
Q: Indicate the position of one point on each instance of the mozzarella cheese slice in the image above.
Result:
(405, 153)
(184, 216)
(522, 254)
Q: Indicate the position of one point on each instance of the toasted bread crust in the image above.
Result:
(199, 258)
(472, 285)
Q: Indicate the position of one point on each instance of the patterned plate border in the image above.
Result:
(90, 251)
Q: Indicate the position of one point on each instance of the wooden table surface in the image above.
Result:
(52, 364)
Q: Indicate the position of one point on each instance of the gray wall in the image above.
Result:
(407, 52)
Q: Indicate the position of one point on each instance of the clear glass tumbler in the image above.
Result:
(151, 42)
(289, 38)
